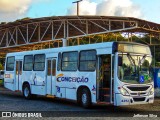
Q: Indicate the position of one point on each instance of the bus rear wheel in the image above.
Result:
(27, 92)
(85, 98)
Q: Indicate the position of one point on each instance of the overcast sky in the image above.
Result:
(11, 10)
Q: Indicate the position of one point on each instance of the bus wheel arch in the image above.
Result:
(26, 90)
(84, 96)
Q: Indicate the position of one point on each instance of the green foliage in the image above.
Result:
(3, 23)
(26, 18)
(146, 63)
(1, 66)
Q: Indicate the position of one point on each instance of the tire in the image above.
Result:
(27, 92)
(85, 98)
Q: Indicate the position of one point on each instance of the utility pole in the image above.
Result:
(77, 2)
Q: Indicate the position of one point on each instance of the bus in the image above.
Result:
(117, 73)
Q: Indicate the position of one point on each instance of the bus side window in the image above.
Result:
(39, 62)
(59, 62)
(87, 60)
(53, 67)
(69, 61)
(10, 63)
(28, 63)
(49, 67)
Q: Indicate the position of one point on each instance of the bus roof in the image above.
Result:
(73, 48)
(67, 48)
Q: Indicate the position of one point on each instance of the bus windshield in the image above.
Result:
(134, 69)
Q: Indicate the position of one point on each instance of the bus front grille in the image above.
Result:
(141, 88)
(138, 94)
(139, 99)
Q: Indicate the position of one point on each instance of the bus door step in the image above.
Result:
(106, 97)
(105, 88)
(50, 96)
(104, 91)
(103, 103)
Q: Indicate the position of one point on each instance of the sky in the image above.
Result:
(11, 10)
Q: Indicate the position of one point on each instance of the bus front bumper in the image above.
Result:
(132, 100)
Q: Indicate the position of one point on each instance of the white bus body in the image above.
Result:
(101, 73)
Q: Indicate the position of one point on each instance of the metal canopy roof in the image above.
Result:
(23, 34)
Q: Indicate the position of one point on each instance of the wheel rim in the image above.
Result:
(84, 98)
(26, 92)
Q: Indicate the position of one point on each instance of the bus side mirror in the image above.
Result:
(119, 60)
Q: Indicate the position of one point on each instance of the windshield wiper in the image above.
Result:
(141, 61)
(132, 61)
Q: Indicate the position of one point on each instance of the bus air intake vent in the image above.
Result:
(141, 88)
(139, 99)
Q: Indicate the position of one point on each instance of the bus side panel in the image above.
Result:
(27, 76)
(61, 92)
(39, 90)
(38, 83)
(71, 81)
(89, 81)
(9, 80)
(71, 94)
(9, 86)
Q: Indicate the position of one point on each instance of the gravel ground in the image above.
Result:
(14, 102)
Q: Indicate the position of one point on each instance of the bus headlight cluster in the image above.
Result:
(123, 91)
(151, 91)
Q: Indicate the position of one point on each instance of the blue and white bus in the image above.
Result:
(117, 73)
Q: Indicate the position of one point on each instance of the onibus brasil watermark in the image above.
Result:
(23, 114)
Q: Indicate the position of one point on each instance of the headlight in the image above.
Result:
(123, 91)
(151, 91)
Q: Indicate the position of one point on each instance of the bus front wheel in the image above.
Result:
(27, 91)
(85, 98)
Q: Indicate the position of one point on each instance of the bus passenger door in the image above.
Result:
(51, 72)
(105, 79)
(18, 84)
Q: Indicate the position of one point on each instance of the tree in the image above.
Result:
(1, 66)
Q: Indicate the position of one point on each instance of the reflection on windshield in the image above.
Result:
(135, 69)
